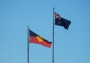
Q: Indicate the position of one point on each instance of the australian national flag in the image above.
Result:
(61, 21)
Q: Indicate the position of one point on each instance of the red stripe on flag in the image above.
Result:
(35, 40)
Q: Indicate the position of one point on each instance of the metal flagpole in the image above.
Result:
(53, 37)
(28, 33)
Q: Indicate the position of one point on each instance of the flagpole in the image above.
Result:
(28, 44)
(53, 38)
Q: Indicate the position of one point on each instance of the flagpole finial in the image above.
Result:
(28, 26)
(53, 8)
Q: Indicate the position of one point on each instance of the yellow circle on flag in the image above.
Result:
(40, 39)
